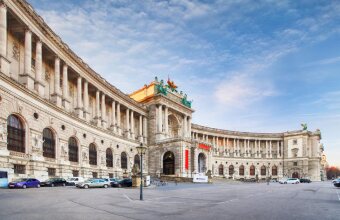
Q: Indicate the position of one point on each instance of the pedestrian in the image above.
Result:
(268, 180)
(176, 182)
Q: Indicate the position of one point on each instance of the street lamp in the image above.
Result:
(141, 151)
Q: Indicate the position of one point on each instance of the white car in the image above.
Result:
(291, 181)
(282, 181)
(75, 180)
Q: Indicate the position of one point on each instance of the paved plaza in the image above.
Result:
(221, 200)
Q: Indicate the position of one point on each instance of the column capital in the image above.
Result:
(3, 4)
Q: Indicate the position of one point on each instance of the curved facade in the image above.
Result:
(60, 118)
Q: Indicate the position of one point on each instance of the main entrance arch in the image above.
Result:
(295, 175)
(169, 163)
(201, 163)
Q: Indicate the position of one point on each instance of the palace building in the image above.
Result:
(60, 118)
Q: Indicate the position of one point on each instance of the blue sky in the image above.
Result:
(264, 67)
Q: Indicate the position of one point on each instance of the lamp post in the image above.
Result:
(141, 151)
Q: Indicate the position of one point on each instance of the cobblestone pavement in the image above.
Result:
(221, 200)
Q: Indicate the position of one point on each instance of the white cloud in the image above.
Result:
(242, 90)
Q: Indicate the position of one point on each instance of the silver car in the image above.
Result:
(93, 183)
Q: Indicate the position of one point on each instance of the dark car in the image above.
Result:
(337, 183)
(54, 182)
(122, 183)
(303, 180)
(24, 183)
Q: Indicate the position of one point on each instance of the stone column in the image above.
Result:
(38, 84)
(160, 126)
(103, 112)
(66, 98)
(3, 29)
(238, 148)
(132, 125)
(270, 149)
(256, 149)
(86, 101)
(56, 96)
(189, 127)
(26, 78)
(267, 149)
(127, 123)
(119, 129)
(4, 62)
(140, 132)
(97, 116)
(278, 149)
(234, 148)
(145, 129)
(259, 147)
(185, 120)
(79, 108)
(113, 121)
(223, 146)
(166, 121)
(196, 160)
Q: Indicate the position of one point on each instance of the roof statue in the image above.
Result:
(304, 126)
(161, 88)
(171, 85)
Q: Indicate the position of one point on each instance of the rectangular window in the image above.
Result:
(295, 142)
(295, 164)
(94, 174)
(51, 172)
(19, 169)
(75, 173)
(110, 175)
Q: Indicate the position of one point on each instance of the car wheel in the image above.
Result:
(86, 186)
(285, 183)
(38, 186)
(24, 186)
(64, 184)
(52, 185)
(105, 186)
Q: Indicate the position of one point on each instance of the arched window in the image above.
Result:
(220, 170)
(123, 161)
(136, 161)
(241, 170)
(252, 170)
(15, 134)
(274, 171)
(109, 157)
(72, 150)
(93, 154)
(49, 143)
(231, 170)
(263, 170)
(169, 163)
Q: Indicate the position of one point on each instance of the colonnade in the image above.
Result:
(32, 78)
(241, 147)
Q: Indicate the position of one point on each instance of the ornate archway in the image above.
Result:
(295, 175)
(201, 163)
(169, 163)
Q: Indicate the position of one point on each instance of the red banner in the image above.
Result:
(204, 147)
(186, 159)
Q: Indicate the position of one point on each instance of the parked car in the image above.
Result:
(305, 180)
(24, 183)
(92, 183)
(74, 180)
(283, 181)
(54, 182)
(122, 183)
(292, 181)
(336, 182)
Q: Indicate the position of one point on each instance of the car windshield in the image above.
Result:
(51, 179)
(20, 180)
(72, 179)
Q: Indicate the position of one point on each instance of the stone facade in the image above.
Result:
(60, 118)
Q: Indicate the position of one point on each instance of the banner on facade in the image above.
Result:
(204, 147)
(186, 159)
